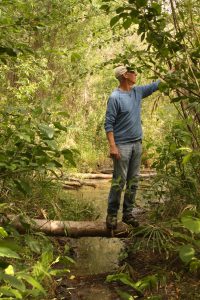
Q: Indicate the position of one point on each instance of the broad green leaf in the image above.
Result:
(68, 155)
(157, 7)
(11, 244)
(32, 281)
(9, 51)
(186, 253)
(47, 258)
(114, 20)
(75, 57)
(194, 265)
(178, 99)
(124, 295)
(186, 158)
(23, 186)
(105, 7)
(141, 3)
(25, 137)
(191, 223)
(127, 23)
(33, 244)
(173, 147)
(60, 126)
(46, 130)
(6, 252)
(2, 164)
(150, 281)
(10, 270)
(66, 260)
(163, 86)
(120, 10)
(55, 163)
(51, 144)
(13, 281)
(8, 291)
(124, 278)
(3, 233)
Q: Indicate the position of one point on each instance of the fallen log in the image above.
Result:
(103, 176)
(73, 183)
(70, 187)
(74, 229)
(90, 176)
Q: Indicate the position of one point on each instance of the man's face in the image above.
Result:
(131, 77)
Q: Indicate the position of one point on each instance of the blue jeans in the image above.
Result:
(126, 171)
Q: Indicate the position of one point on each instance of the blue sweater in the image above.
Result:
(123, 115)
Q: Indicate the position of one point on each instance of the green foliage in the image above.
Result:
(186, 253)
(28, 145)
(175, 236)
(6, 252)
(26, 275)
(177, 167)
(148, 282)
(192, 223)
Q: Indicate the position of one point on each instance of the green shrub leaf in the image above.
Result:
(32, 281)
(13, 281)
(124, 296)
(46, 130)
(114, 20)
(191, 223)
(7, 291)
(3, 233)
(186, 253)
(6, 252)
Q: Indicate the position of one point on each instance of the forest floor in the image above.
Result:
(174, 281)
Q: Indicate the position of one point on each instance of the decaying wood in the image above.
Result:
(106, 171)
(105, 176)
(74, 184)
(70, 228)
(91, 176)
(70, 187)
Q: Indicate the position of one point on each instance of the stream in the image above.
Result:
(96, 257)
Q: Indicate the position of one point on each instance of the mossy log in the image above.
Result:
(74, 229)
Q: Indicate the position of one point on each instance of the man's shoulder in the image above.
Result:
(114, 94)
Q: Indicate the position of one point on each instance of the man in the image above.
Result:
(124, 134)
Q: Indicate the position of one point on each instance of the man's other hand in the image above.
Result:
(114, 152)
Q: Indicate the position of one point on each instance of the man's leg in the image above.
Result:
(132, 180)
(118, 182)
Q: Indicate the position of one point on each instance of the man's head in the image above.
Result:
(124, 73)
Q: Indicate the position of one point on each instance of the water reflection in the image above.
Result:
(97, 255)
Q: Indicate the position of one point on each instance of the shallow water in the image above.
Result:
(95, 255)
